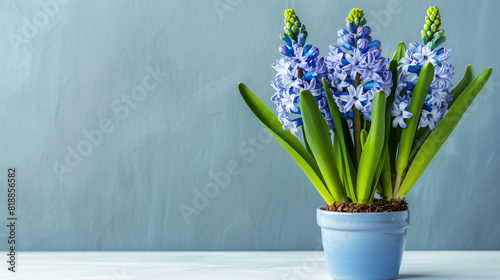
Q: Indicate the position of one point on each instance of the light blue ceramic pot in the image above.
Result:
(363, 245)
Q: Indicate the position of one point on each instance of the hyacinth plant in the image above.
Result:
(358, 123)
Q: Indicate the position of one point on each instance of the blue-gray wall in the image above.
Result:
(117, 114)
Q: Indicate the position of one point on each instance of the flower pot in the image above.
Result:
(363, 245)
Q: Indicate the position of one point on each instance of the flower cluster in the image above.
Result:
(298, 68)
(436, 103)
(355, 70)
(401, 109)
(355, 77)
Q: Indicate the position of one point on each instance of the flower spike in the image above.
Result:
(431, 33)
(295, 31)
(361, 62)
(299, 68)
(439, 94)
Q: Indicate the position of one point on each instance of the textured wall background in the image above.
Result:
(118, 113)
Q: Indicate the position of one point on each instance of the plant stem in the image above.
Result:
(357, 124)
(300, 73)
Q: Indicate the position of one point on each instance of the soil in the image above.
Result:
(379, 205)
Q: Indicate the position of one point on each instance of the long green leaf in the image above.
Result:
(386, 177)
(344, 141)
(363, 134)
(417, 101)
(349, 142)
(464, 83)
(337, 154)
(321, 144)
(394, 133)
(291, 144)
(372, 151)
(306, 144)
(424, 132)
(436, 139)
(420, 136)
(376, 178)
(339, 162)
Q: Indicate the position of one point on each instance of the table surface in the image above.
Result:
(293, 265)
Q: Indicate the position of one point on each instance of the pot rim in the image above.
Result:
(362, 221)
(358, 213)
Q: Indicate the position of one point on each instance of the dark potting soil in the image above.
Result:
(379, 205)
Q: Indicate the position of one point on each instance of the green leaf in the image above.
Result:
(321, 144)
(376, 178)
(306, 144)
(372, 152)
(362, 136)
(400, 52)
(385, 182)
(386, 177)
(436, 139)
(420, 136)
(291, 144)
(466, 80)
(394, 133)
(348, 141)
(424, 132)
(417, 101)
(337, 153)
(339, 162)
(345, 141)
(382, 178)
(379, 190)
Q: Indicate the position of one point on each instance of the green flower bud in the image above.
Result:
(431, 45)
(431, 32)
(302, 29)
(436, 36)
(425, 38)
(433, 27)
(357, 16)
(293, 26)
(437, 23)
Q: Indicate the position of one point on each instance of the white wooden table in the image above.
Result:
(291, 265)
